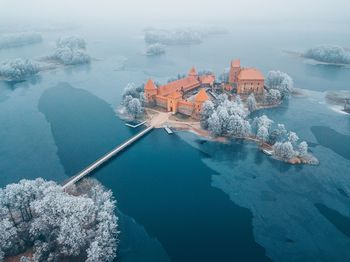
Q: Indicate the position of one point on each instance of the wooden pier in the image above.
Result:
(137, 125)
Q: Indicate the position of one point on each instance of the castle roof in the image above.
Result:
(236, 63)
(183, 83)
(150, 85)
(192, 72)
(250, 74)
(202, 96)
(207, 79)
(176, 94)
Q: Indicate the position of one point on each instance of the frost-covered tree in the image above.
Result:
(214, 125)
(206, 111)
(72, 42)
(329, 54)
(251, 103)
(272, 97)
(55, 224)
(134, 107)
(221, 99)
(18, 69)
(303, 148)
(278, 134)
(262, 121)
(205, 72)
(238, 127)
(71, 56)
(223, 118)
(284, 150)
(280, 81)
(184, 36)
(155, 49)
(293, 137)
(132, 90)
(70, 51)
(262, 133)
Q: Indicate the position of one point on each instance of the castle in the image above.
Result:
(181, 95)
(245, 80)
(171, 96)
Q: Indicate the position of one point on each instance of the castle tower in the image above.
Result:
(150, 91)
(200, 98)
(193, 72)
(235, 68)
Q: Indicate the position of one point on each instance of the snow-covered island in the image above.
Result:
(325, 54)
(220, 110)
(18, 69)
(70, 50)
(39, 221)
(155, 49)
(331, 54)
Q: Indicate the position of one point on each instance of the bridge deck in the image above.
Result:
(106, 157)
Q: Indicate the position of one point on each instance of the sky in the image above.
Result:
(177, 10)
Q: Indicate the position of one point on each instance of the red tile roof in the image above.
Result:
(250, 74)
(207, 79)
(185, 83)
(202, 96)
(150, 85)
(192, 72)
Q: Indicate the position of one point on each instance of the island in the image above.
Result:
(221, 110)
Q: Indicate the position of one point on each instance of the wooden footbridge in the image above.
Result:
(105, 158)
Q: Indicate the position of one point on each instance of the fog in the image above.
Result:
(170, 11)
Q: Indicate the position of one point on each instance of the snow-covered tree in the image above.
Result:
(184, 36)
(205, 72)
(214, 125)
(206, 111)
(134, 107)
(272, 96)
(238, 127)
(303, 148)
(262, 133)
(329, 54)
(221, 99)
(251, 102)
(70, 51)
(72, 42)
(284, 150)
(71, 56)
(262, 121)
(280, 81)
(292, 137)
(278, 134)
(18, 69)
(155, 49)
(132, 90)
(223, 118)
(57, 225)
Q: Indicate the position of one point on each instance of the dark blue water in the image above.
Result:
(167, 191)
(180, 197)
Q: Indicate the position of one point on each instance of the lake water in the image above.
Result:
(181, 198)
